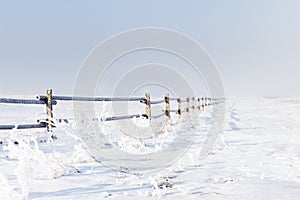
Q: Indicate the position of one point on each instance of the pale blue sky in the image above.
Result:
(255, 44)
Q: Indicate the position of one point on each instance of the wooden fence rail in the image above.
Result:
(70, 98)
(23, 126)
(23, 101)
(191, 104)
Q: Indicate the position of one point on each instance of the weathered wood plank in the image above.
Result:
(23, 101)
(23, 126)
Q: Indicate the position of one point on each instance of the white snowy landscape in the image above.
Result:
(256, 157)
(127, 122)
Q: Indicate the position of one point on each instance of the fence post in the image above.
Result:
(49, 109)
(187, 109)
(147, 108)
(193, 103)
(167, 111)
(179, 108)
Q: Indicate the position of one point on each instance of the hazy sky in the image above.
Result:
(255, 43)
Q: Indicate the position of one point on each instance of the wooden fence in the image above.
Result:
(49, 100)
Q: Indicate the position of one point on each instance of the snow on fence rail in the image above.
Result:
(49, 100)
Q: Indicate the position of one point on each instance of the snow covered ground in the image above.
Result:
(256, 157)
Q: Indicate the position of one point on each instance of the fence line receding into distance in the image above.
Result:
(50, 100)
